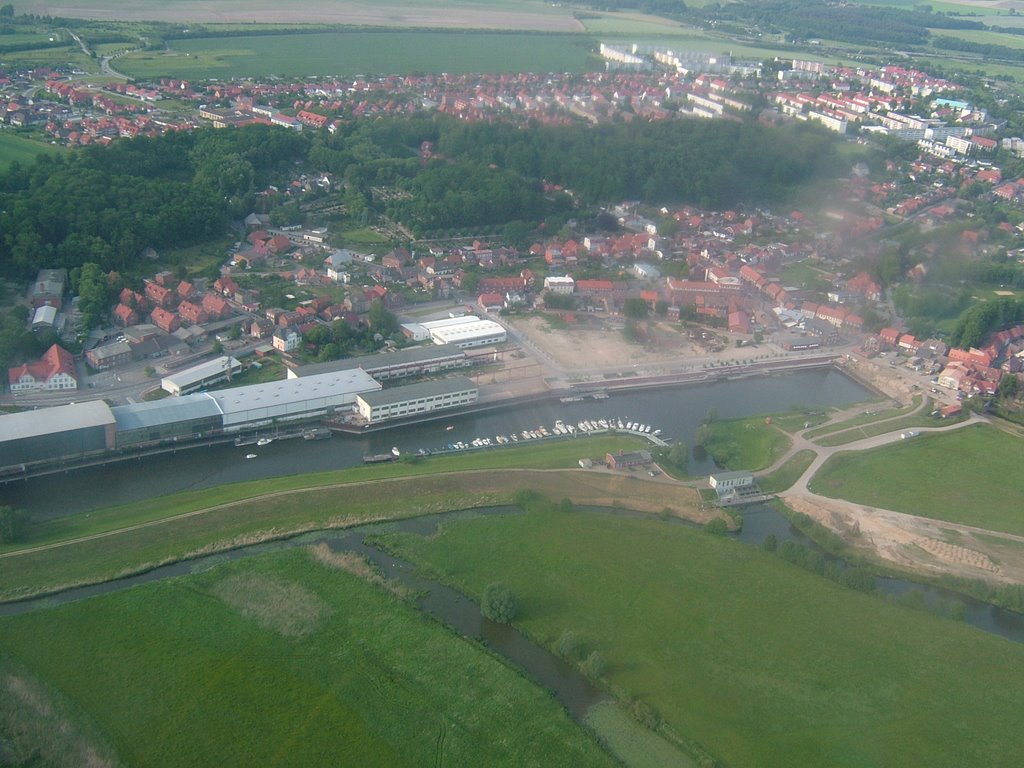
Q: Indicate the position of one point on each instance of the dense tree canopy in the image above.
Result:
(104, 205)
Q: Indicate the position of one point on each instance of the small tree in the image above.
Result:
(499, 603)
(594, 666)
(717, 526)
(568, 645)
(13, 524)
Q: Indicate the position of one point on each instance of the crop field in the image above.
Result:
(278, 660)
(14, 148)
(981, 486)
(347, 54)
(759, 662)
(464, 14)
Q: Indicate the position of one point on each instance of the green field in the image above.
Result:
(783, 478)
(970, 475)
(759, 662)
(278, 660)
(347, 54)
(101, 545)
(748, 444)
(14, 148)
(869, 416)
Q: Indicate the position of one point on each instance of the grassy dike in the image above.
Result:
(283, 659)
(109, 543)
(756, 660)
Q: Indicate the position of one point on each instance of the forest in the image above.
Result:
(105, 205)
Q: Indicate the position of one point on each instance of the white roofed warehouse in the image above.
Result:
(259, 405)
(200, 376)
(464, 332)
(413, 399)
(47, 434)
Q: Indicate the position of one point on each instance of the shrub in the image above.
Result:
(499, 603)
(594, 666)
(568, 645)
(717, 526)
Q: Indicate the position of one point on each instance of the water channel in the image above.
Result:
(676, 410)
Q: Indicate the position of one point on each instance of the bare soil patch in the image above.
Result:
(917, 544)
(285, 608)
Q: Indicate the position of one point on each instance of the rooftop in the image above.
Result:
(166, 411)
(415, 391)
(61, 418)
(279, 393)
(371, 363)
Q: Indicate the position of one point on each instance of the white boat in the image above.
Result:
(603, 424)
(265, 441)
(620, 424)
(647, 429)
(629, 425)
(250, 455)
(449, 427)
(395, 452)
(656, 432)
(515, 438)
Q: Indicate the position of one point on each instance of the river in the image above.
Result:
(676, 410)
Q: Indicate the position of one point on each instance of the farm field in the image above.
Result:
(279, 660)
(757, 661)
(475, 14)
(982, 486)
(14, 148)
(347, 54)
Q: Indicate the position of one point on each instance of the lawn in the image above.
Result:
(14, 148)
(869, 416)
(757, 661)
(783, 478)
(280, 660)
(347, 54)
(135, 538)
(971, 475)
(750, 444)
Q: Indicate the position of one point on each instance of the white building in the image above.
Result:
(200, 376)
(562, 285)
(259, 405)
(413, 399)
(286, 339)
(467, 331)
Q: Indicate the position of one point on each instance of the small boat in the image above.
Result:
(647, 429)
(250, 455)
(620, 424)
(395, 452)
(656, 432)
(449, 427)
(265, 441)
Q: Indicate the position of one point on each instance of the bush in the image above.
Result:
(770, 543)
(594, 666)
(499, 603)
(717, 526)
(860, 579)
(13, 525)
(568, 645)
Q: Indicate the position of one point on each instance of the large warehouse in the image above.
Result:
(200, 376)
(416, 361)
(65, 431)
(412, 399)
(464, 332)
(189, 417)
(259, 405)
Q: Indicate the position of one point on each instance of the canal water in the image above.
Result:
(676, 410)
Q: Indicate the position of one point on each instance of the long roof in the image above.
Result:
(166, 411)
(279, 393)
(414, 391)
(60, 418)
(203, 371)
(371, 363)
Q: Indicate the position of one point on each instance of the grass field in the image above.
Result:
(971, 475)
(352, 53)
(869, 416)
(783, 478)
(14, 148)
(281, 660)
(759, 662)
(189, 524)
(749, 444)
(912, 421)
